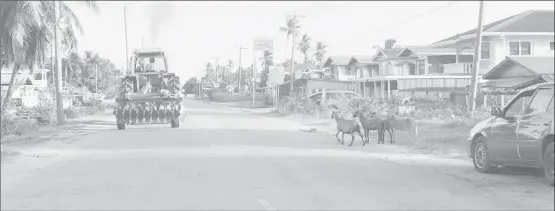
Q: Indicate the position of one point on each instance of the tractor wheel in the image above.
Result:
(175, 123)
(174, 85)
(122, 126)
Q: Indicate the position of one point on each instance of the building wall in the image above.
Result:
(436, 63)
(500, 48)
(312, 85)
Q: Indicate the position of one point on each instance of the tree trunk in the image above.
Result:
(8, 96)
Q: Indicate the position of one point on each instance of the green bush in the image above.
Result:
(71, 113)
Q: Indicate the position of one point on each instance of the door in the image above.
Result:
(535, 120)
(502, 138)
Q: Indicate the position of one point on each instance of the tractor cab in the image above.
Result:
(148, 61)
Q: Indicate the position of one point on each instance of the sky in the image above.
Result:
(194, 33)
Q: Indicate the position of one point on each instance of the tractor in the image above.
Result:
(148, 93)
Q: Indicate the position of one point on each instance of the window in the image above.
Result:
(551, 46)
(518, 104)
(485, 52)
(520, 48)
(540, 101)
(525, 48)
(550, 106)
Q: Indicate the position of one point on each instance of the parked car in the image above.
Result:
(520, 134)
(337, 98)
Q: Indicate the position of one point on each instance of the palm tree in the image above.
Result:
(26, 30)
(320, 52)
(291, 28)
(388, 44)
(267, 62)
(209, 71)
(227, 74)
(304, 46)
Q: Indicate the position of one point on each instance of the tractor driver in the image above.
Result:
(141, 66)
(150, 67)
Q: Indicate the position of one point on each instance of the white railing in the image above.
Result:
(457, 68)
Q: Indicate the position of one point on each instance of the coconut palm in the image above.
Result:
(267, 62)
(304, 46)
(291, 28)
(320, 52)
(209, 71)
(26, 29)
(388, 44)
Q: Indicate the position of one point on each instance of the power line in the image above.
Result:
(429, 11)
(401, 23)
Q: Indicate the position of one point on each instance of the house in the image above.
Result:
(23, 92)
(516, 73)
(338, 68)
(304, 70)
(529, 33)
(412, 71)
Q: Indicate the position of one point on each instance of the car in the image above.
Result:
(520, 134)
(337, 98)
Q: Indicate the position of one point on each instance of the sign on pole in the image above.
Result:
(276, 75)
(263, 44)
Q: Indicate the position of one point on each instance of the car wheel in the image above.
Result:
(548, 163)
(480, 156)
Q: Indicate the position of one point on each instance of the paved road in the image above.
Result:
(225, 159)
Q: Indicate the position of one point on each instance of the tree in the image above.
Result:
(291, 28)
(26, 30)
(267, 62)
(320, 52)
(190, 86)
(388, 44)
(304, 46)
(209, 72)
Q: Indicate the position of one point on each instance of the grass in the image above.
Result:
(447, 139)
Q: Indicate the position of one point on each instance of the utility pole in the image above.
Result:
(477, 55)
(239, 79)
(253, 76)
(126, 46)
(57, 44)
(292, 78)
(96, 78)
(216, 68)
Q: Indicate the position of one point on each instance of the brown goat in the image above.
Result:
(371, 123)
(402, 123)
(347, 126)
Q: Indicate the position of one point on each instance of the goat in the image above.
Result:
(347, 126)
(402, 123)
(373, 123)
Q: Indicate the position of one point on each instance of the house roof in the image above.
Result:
(392, 52)
(338, 60)
(362, 60)
(512, 83)
(21, 79)
(528, 21)
(302, 67)
(438, 51)
(535, 64)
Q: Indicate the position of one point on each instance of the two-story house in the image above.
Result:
(529, 33)
(435, 70)
(338, 68)
(411, 71)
